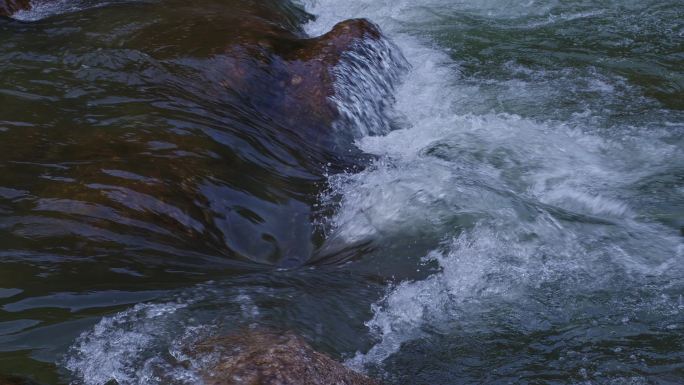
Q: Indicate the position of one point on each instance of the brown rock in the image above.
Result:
(291, 77)
(9, 7)
(267, 59)
(269, 358)
(188, 203)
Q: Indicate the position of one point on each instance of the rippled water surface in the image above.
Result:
(501, 200)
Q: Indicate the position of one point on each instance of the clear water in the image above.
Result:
(520, 220)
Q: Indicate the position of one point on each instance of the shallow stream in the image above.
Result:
(517, 216)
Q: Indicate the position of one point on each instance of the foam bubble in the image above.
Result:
(41, 9)
(519, 201)
(364, 87)
(116, 347)
(148, 343)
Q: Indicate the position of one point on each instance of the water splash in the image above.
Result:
(149, 343)
(365, 81)
(117, 345)
(41, 9)
(520, 203)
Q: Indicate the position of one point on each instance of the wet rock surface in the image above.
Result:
(226, 165)
(9, 7)
(291, 77)
(260, 55)
(270, 358)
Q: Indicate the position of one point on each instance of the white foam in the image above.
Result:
(390, 14)
(364, 87)
(546, 197)
(41, 9)
(149, 344)
(116, 346)
(546, 194)
(399, 317)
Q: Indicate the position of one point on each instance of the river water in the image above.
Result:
(518, 216)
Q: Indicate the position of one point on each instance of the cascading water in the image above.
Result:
(519, 219)
(534, 207)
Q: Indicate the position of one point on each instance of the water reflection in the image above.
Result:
(127, 142)
(130, 164)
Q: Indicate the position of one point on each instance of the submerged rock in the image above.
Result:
(292, 77)
(9, 7)
(261, 55)
(195, 136)
(269, 358)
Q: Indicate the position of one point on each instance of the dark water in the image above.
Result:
(129, 170)
(521, 224)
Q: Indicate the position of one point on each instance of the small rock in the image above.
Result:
(269, 358)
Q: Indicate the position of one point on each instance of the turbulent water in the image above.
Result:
(518, 216)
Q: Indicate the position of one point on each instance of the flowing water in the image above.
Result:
(517, 216)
